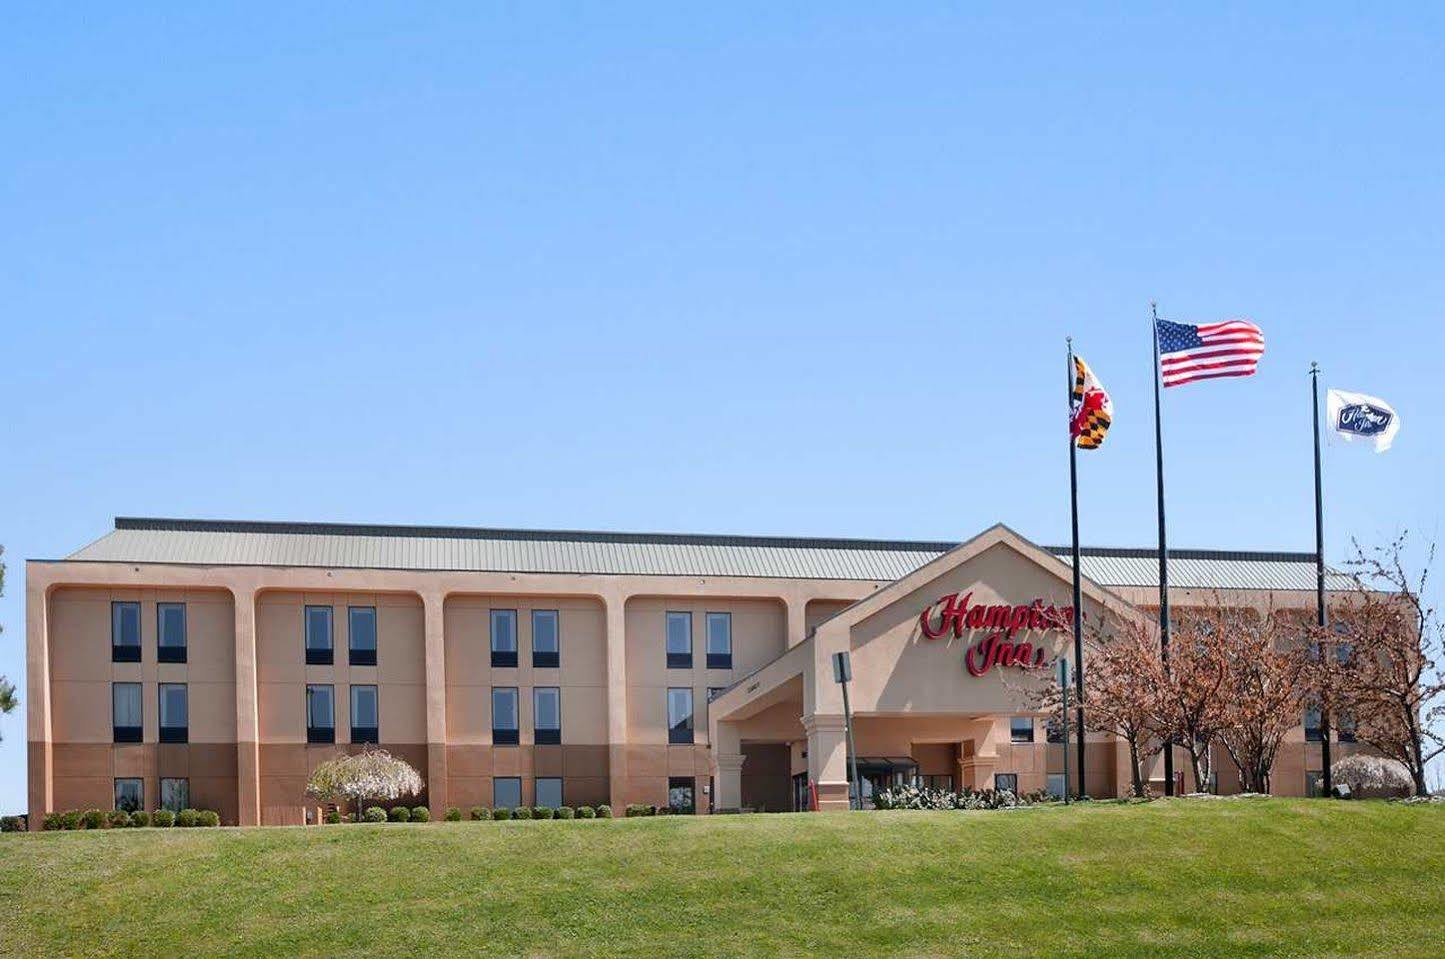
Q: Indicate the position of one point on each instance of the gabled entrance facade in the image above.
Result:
(943, 660)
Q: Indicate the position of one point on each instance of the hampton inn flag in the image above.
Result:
(1091, 411)
(1188, 353)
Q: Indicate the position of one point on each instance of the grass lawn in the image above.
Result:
(1170, 878)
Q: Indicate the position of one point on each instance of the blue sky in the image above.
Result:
(730, 270)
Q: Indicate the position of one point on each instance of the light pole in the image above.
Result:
(842, 672)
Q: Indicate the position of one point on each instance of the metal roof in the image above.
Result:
(252, 543)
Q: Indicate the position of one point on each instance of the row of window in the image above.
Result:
(125, 636)
(130, 794)
(127, 713)
(170, 632)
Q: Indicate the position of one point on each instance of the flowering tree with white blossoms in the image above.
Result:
(370, 774)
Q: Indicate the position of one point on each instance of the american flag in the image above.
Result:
(1188, 353)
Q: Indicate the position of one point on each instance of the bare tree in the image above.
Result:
(1388, 677)
(1188, 696)
(1266, 672)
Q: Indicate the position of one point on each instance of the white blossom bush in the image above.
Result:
(371, 774)
(1373, 774)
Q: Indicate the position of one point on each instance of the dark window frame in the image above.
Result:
(319, 655)
(717, 660)
(497, 781)
(680, 736)
(537, 782)
(542, 735)
(172, 733)
(501, 735)
(362, 656)
(682, 782)
(125, 652)
(677, 660)
(320, 734)
(501, 658)
(364, 734)
(547, 658)
(171, 653)
(115, 793)
(161, 799)
(127, 734)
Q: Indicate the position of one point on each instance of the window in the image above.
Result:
(547, 715)
(125, 712)
(549, 792)
(1346, 728)
(1313, 719)
(174, 711)
(504, 716)
(546, 645)
(719, 640)
(1006, 782)
(679, 715)
(713, 692)
(944, 782)
(504, 637)
(125, 632)
(129, 794)
(171, 632)
(365, 715)
(361, 635)
(320, 714)
(318, 635)
(175, 794)
(1314, 783)
(1056, 785)
(679, 640)
(1344, 653)
(1021, 729)
(681, 794)
(506, 792)
(1053, 731)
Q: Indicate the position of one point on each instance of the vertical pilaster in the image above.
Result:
(797, 620)
(616, 612)
(727, 767)
(248, 729)
(433, 614)
(37, 691)
(828, 759)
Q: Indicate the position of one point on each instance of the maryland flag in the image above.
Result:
(1090, 409)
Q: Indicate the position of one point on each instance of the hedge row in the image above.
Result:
(120, 819)
(477, 813)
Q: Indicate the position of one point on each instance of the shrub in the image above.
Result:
(208, 817)
(399, 814)
(522, 812)
(140, 818)
(604, 811)
(12, 824)
(332, 817)
(565, 812)
(374, 814)
(163, 818)
(634, 810)
(480, 812)
(118, 819)
(542, 812)
(501, 814)
(94, 819)
(51, 822)
(586, 812)
(187, 818)
(420, 814)
(1373, 775)
(454, 814)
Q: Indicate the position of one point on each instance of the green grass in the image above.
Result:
(1171, 878)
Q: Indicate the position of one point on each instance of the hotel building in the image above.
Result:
(214, 664)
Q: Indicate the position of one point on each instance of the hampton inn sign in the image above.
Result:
(953, 614)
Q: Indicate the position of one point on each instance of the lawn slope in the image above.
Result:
(1171, 878)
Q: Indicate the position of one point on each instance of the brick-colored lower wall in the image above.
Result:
(584, 770)
(85, 774)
